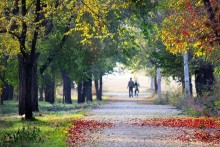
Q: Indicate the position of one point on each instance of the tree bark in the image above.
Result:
(183, 84)
(50, 87)
(81, 98)
(34, 89)
(98, 88)
(28, 87)
(66, 87)
(84, 90)
(186, 75)
(159, 83)
(190, 84)
(155, 85)
(89, 91)
(22, 90)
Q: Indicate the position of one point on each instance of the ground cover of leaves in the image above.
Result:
(127, 122)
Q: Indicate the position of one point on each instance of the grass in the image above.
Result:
(192, 112)
(52, 120)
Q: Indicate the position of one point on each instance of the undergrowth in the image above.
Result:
(49, 127)
(207, 105)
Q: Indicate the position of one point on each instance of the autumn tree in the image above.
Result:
(187, 28)
(23, 21)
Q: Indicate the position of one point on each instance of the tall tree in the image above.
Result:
(191, 29)
(22, 20)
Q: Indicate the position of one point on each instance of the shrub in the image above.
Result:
(177, 99)
(197, 106)
(164, 100)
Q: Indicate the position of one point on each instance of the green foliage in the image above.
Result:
(196, 106)
(52, 120)
(192, 112)
(171, 65)
(23, 135)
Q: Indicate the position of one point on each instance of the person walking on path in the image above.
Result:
(130, 86)
(136, 88)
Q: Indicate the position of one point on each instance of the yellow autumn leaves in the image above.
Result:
(185, 28)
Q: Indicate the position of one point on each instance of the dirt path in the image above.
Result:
(124, 113)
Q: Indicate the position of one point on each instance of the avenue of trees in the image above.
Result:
(43, 42)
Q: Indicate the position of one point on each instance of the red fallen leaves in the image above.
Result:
(80, 130)
(183, 122)
(204, 129)
(207, 136)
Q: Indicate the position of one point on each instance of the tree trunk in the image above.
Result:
(25, 86)
(34, 89)
(81, 98)
(204, 78)
(183, 84)
(41, 91)
(159, 83)
(98, 89)
(89, 91)
(50, 87)
(190, 84)
(49, 92)
(28, 93)
(66, 87)
(155, 85)
(21, 90)
(27, 60)
(186, 75)
(84, 90)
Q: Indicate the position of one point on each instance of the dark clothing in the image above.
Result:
(136, 85)
(130, 91)
(131, 86)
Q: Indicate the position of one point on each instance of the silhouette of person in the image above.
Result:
(136, 88)
(130, 86)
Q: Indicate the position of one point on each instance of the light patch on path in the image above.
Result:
(123, 112)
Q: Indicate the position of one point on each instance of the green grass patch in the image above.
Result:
(52, 121)
(192, 112)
